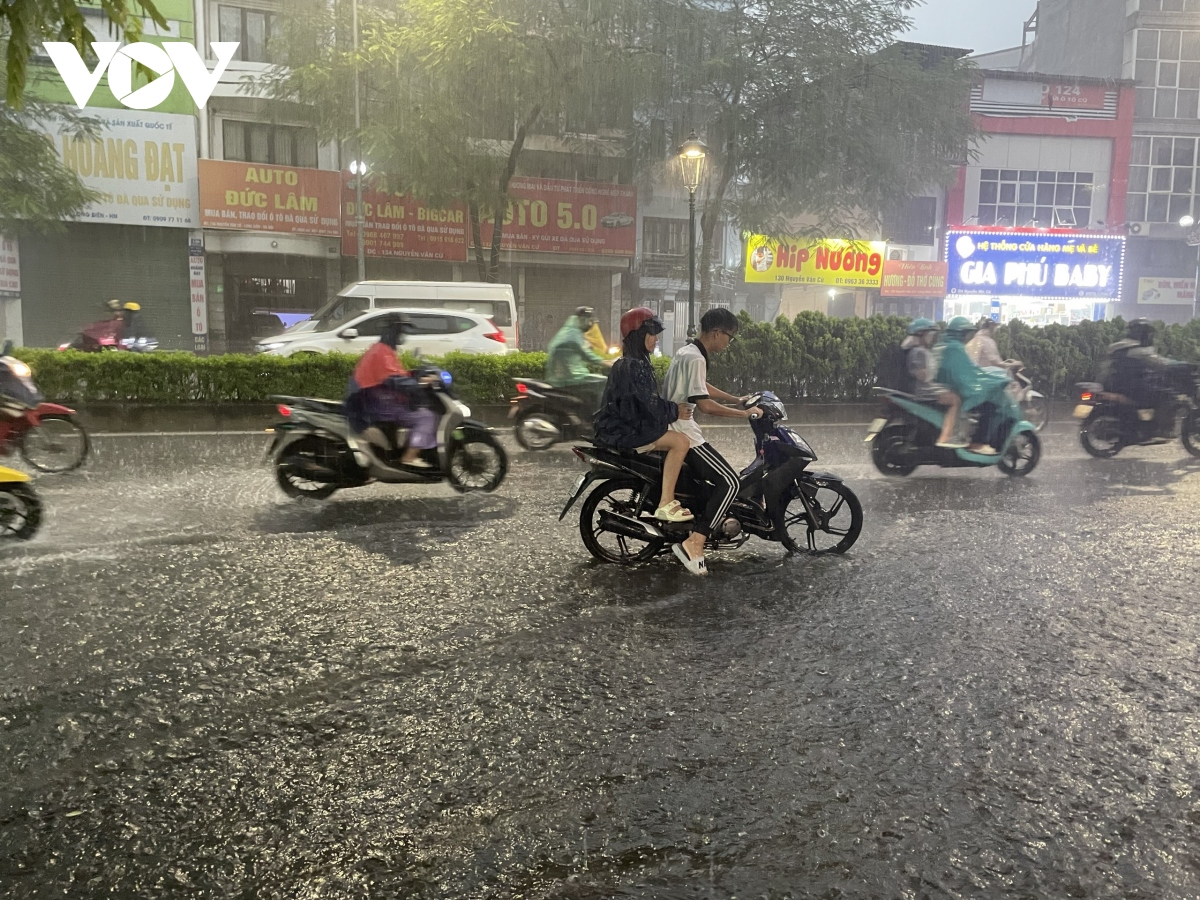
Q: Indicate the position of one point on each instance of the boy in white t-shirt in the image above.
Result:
(687, 382)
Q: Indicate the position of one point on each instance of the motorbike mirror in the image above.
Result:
(349, 334)
(8, 349)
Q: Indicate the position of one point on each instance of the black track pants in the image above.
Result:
(710, 465)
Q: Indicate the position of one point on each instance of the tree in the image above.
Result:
(452, 90)
(810, 108)
(36, 190)
(25, 23)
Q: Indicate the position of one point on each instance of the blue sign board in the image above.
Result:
(1048, 265)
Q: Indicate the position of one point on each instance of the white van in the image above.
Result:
(495, 301)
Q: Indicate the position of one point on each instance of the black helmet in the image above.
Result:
(394, 330)
(1142, 331)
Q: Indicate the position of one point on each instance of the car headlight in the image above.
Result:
(267, 348)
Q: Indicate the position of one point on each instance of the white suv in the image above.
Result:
(432, 332)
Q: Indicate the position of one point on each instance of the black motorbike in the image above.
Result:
(1111, 422)
(780, 500)
(544, 415)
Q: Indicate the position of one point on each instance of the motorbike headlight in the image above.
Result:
(465, 410)
(20, 369)
(267, 348)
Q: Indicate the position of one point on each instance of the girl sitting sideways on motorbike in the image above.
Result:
(633, 416)
(382, 394)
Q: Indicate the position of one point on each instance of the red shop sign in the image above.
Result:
(569, 217)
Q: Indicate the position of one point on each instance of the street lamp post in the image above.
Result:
(692, 157)
(358, 167)
(1188, 222)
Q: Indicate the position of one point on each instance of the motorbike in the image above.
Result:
(107, 335)
(1035, 407)
(905, 437)
(780, 499)
(544, 415)
(316, 452)
(1111, 422)
(20, 507)
(48, 436)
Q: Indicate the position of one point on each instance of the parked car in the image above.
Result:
(433, 333)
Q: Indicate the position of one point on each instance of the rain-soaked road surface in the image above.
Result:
(208, 691)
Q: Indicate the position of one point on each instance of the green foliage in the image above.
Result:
(80, 378)
(27, 23)
(812, 357)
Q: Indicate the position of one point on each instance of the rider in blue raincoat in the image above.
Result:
(983, 389)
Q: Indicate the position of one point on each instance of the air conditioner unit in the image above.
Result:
(896, 254)
(1137, 227)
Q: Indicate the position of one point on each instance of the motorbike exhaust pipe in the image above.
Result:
(627, 526)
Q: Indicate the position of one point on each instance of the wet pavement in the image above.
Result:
(207, 690)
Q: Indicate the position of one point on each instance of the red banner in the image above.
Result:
(399, 226)
(914, 279)
(569, 217)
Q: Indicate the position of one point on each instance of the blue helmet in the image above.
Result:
(919, 325)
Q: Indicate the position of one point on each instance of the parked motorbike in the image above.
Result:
(906, 433)
(780, 500)
(544, 415)
(1111, 422)
(315, 451)
(47, 435)
(107, 335)
(20, 507)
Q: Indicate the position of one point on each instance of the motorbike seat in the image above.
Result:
(315, 404)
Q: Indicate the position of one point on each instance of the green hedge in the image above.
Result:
(814, 357)
(811, 357)
(79, 378)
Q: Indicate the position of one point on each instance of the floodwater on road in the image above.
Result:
(207, 690)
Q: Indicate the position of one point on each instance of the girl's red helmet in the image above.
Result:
(639, 317)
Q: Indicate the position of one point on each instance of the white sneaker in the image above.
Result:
(695, 566)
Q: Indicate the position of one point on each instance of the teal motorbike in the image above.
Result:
(905, 435)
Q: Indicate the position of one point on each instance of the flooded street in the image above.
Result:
(207, 690)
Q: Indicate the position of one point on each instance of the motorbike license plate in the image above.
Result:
(1082, 411)
(876, 427)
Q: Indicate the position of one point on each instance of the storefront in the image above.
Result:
(272, 247)
(132, 244)
(835, 277)
(1037, 276)
(912, 289)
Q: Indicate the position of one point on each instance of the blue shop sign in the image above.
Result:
(1075, 266)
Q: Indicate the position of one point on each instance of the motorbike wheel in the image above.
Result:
(477, 463)
(531, 432)
(58, 444)
(1191, 433)
(20, 511)
(1022, 456)
(839, 514)
(1101, 435)
(297, 485)
(625, 498)
(886, 452)
(1036, 411)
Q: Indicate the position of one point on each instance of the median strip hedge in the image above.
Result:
(812, 357)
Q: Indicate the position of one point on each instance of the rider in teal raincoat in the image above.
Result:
(987, 388)
(568, 358)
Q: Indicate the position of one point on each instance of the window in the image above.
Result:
(1168, 74)
(1170, 5)
(664, 237)
(1162, 179)
(341, 310)
(254, 29)
(1029, 198)
(913, 223)
(279, 145)
(422, 324)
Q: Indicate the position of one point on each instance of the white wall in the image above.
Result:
(1046, 154)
